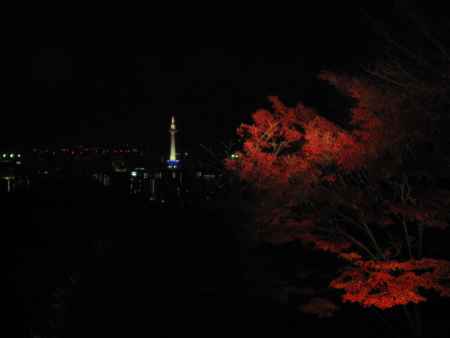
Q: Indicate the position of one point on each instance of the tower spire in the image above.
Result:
(172, 131)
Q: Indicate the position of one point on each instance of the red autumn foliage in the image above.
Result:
(388, 284)
(342, 189)
(297, 141)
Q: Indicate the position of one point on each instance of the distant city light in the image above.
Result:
(134, 173)
(11, 155)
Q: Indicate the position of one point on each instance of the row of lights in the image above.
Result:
(106, 151)
(12, 155)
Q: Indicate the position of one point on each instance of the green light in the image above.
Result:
(4, 156)
(11, 155)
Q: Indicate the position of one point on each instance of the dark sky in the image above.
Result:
(211, 72)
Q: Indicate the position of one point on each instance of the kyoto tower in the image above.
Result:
(172, 162)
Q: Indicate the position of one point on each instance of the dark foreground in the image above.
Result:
(90, 263)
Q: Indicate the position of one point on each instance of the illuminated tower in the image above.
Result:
(172, 162)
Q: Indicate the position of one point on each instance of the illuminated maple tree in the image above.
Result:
(355, 191)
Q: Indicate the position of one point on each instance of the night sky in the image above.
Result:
(116, 85)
